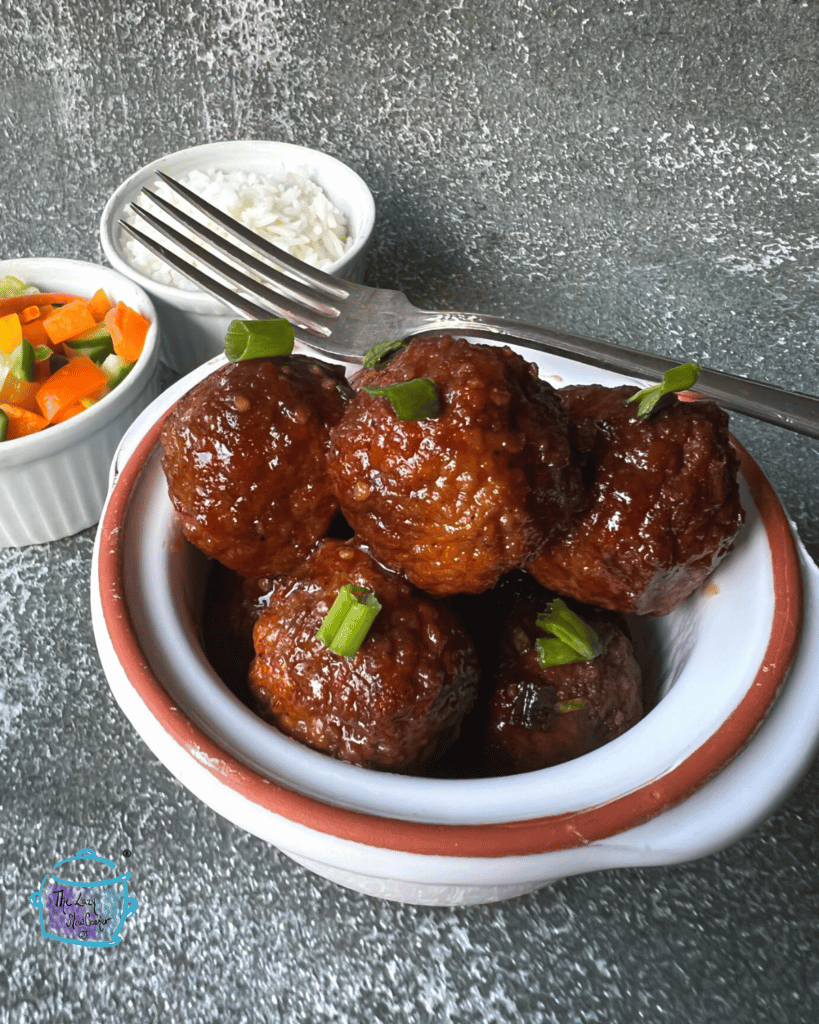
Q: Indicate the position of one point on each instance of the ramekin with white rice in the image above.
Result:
(290, 210)
(307, 202)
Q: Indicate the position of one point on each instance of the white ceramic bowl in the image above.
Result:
(193, 323)
(53, 483)
(737, 722)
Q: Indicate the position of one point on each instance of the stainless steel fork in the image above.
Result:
(344, 320)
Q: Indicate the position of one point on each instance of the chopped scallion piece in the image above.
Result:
(98, 351)
(10, 285)
(256, 339)
(22, 362)
(4, 426)
(116, 369)
(572, 640)
(95, 333)
(411, 399)
(564, 707)
(551, 651)
(346, 625)
(678, 378)
(380, 354)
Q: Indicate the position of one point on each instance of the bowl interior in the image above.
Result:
(707, 657)
(345, 188)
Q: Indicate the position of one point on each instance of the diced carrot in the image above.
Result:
(22, 421)
(68, 412)
(101, 392)
(67, 321)
(20, 392)
(35, 332)
(28, 314)
(11, 332)
(78, 379)
(14, 303)
(128, 330)
(99, 304)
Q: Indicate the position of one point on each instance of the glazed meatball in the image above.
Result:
(396, 704)
(245, 459)
(455, 500)
(538, 717)
(665, 503)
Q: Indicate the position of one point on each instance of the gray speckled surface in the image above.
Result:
(642, 171)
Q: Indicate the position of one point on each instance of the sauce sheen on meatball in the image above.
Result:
(664, 503)
(395, 705)
(454, 501)
(541, 716)
(244, 453)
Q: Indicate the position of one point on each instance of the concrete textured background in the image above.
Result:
(642, 171)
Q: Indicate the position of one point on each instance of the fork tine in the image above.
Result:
(232, 298)
(309, 321)
(294, 266)
(305, 295)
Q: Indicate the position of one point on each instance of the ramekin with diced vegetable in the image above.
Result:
(295, 196)
(78, 363)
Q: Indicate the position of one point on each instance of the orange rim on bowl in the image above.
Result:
(497, 839)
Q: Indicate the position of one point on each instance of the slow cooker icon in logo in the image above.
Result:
(85, 913)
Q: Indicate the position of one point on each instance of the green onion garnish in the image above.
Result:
(347, 623)
(255, 339)
(572, 640)
(22, 361)
(411, 399)
(380, 354)
(10, 285)
(565, 707)
(4, 426)
(678, 378)
(96, 350)
(551, 652)
(116, 369)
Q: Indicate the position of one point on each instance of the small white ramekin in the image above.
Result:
(193, 323)
(737, 722)
(53, 483)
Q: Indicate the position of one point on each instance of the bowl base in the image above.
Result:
(423, 894)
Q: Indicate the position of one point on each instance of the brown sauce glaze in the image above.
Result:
(397, 703)
(453, 502)
(244, 453)
(507, 725)
(466, 526)
(664, 503)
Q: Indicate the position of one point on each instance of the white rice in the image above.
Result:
(290, 210)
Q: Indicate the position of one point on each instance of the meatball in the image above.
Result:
(664, 503)
(245, 459)
(453, 501)
(538, 717)
(396, 704)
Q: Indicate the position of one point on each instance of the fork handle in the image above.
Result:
(791, 410)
